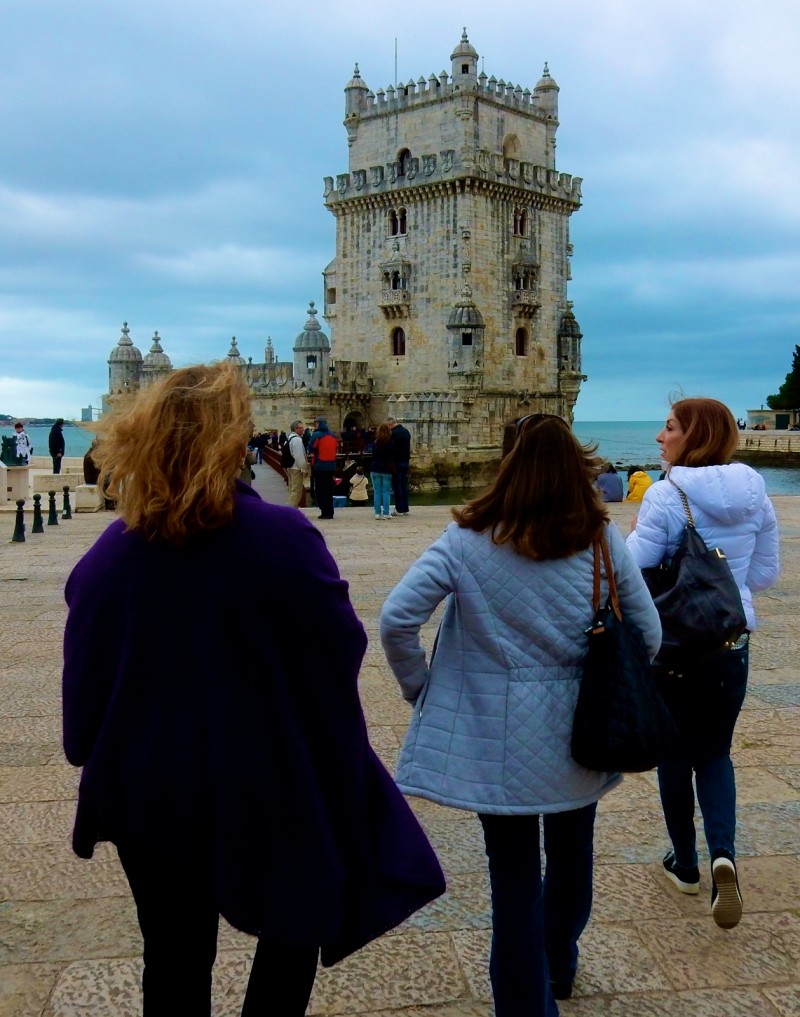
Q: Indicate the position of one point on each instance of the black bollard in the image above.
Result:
(52, 518)
(38, 526)
(67, 511)
(19, 525)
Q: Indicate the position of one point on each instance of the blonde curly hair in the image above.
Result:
(169, 456)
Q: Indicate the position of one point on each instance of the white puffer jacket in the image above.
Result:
(731, 511)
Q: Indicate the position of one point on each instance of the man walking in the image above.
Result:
(401, 439)
(57, 444)
(297, 470)
(324, 446)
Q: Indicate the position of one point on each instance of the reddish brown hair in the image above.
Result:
(171, 454)
(544, 501)
(710, 434)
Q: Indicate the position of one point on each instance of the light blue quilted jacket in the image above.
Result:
(492, 719)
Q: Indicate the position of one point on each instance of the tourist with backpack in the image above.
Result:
(294, 461)
(324, 446)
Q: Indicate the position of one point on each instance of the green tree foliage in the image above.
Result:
(788, 395)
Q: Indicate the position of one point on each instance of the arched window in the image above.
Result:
(403, 160)
(521, 343)
(521, 218)
(311, 362)
(398, 343)
(396, 222)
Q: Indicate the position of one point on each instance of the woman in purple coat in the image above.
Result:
(234, 776)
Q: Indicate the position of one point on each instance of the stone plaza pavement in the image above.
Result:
(69, 941)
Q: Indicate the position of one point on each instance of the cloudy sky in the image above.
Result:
(162, 163)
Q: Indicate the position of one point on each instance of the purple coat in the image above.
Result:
(201, 730)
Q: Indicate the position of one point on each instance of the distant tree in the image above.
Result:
(788, 395)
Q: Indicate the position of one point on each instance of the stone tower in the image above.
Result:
(452, 255)
(124, 365)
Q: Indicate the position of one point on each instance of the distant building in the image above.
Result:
(447, 296)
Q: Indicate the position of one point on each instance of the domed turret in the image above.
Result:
(156, 363)
(465, 314)
(311, 352)
(355, 92)
(234, 356)
(124, 365)
(464, 63)
(546, 93)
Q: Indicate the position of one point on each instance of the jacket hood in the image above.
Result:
(322, 425)
(729, 493)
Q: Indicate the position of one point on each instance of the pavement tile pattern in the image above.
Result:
(70, 944)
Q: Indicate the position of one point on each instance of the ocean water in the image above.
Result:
(623, 442)
(633, 442)
(76, 439)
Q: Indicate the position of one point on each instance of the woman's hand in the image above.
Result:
(634, 521)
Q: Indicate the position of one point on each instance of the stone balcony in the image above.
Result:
(395, 303)
(525, 303)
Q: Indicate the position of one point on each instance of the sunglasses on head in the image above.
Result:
(536, 417)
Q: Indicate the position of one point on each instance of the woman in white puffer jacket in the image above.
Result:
(732, 511)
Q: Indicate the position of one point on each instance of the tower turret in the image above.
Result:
(465, 64)
(156, 364)
(312, 353)
(124, 365)
(234, 356)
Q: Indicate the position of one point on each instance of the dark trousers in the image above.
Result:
(400, 486)
(536, 924)
(56, 464)
(705, 703)
(179, 920)
(323, 492)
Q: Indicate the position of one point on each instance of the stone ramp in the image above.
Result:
(69, 942)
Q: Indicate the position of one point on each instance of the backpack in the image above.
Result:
(325, 448)
(287, 459)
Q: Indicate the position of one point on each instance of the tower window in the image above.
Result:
(398, 343)
(466, 338)
(521, 343)
(311, 362)
(465, 68)
(331, 295)
(403, 160)
(521, 219)
(396, 222)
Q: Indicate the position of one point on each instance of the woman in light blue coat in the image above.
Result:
(493, 706)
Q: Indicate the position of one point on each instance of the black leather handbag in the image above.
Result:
(621, 723)
(697, 599)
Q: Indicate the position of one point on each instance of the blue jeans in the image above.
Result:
(381, 492)
(536, 926)
(400, 485)
(705, 703)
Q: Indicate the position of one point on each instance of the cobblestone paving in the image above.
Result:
(69, 942)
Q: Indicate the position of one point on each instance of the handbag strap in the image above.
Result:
(684, 499)
(598, 546)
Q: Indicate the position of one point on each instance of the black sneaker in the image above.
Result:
(686, 879)
(726, 900)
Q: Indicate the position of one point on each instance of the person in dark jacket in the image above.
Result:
(401, 438)
(57, 444)
(235, 777)
(323, 448)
